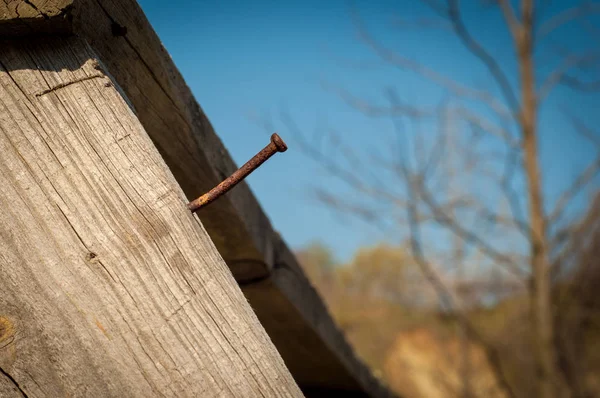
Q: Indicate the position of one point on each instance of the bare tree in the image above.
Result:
(490, 198)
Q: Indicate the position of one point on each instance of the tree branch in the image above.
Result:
(560, 76)
(445, 296)
(403, 63)
(580, 182)
(510, 17)
(577, 84)
(571, 14)
(371, 110)
(484, 56)
(489, 127)
(351, 178)
(465, 234)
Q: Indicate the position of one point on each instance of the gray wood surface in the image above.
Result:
(108, 285)
(312, 346)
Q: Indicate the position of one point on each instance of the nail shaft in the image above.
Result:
(276, 145)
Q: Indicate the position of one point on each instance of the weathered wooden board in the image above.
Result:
(23, 18)
(261, 262)
(108, 285)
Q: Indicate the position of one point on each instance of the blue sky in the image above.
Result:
(247, 59)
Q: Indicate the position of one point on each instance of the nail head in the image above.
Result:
(279, 144)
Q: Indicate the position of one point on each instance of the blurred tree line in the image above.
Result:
(391, 315)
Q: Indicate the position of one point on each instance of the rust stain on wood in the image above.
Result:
(99, 325)
(8, 348)
(7, 332)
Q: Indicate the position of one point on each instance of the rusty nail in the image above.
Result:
(276, 145)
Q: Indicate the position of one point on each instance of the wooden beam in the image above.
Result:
(22, 18)
(110, 286)
(286, 304)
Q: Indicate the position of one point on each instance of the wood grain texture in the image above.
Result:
(134, 55)
(110, 287)
(286, 304)
(27, 17)
(313, 348)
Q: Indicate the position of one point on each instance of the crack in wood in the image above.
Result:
(13, 382)
(177, 310)
(30, 4)
(66, 84)
(142, 59)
